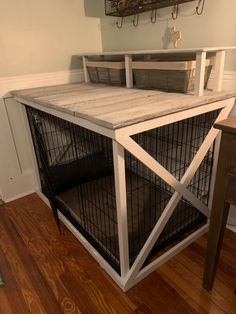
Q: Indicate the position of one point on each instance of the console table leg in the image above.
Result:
(218, 223)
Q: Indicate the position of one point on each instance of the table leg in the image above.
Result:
(215, 238)
(219, 214)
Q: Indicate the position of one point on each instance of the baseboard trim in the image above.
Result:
(15, 197)
(231, 228)
(37, 80)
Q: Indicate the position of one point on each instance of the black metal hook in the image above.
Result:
(119, 25)
(136, 20)
(175, 13)
(200, 8)
(153, 16)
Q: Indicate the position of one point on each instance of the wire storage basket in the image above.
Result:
(129, 7)
(172, 75)
(107, 72)
(77, 175)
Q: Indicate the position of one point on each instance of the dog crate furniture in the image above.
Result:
(128, 170)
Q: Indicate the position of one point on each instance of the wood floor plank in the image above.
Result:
(195, 263)
(47, 272)
(56, 249)
(196, 281)
(226, 266)
(160, 300)
(143, 309)
(5, 306)
(86, 294)
(45, 253)
(22, 278)
(37, 280)
(108, 292)
(11, 296)
(224, 284)
(178, 280)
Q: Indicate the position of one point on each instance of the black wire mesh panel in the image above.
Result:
(80, 171)
(128, 7)
(76, 171)
(174, 146)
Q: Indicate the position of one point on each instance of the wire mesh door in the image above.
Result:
(35, 125)
(79, 172)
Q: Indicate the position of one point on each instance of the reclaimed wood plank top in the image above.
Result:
(114, 107)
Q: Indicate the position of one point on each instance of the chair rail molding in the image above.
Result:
(37, 80)
(17, 177)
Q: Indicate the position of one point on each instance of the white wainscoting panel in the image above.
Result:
(229, 80)
(37, 80)
(17, 177)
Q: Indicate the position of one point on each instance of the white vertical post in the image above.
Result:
(121, 206)
(86, 75)
(128, 71)
(200, 73)
(219, 70)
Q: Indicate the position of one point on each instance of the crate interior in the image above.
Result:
(77, 165)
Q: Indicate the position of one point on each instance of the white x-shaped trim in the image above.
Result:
(180, 188)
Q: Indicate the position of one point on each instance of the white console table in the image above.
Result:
(219, 54)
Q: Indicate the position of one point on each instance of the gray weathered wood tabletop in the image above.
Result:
(114, 107)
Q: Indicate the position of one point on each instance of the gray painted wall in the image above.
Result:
(216, 27)
(41, 36)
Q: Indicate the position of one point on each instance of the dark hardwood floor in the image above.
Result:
(45, 272)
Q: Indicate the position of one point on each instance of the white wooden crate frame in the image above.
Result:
(122, 140)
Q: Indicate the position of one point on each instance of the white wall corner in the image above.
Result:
(17, 177)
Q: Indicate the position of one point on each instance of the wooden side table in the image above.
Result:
(224, 195)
